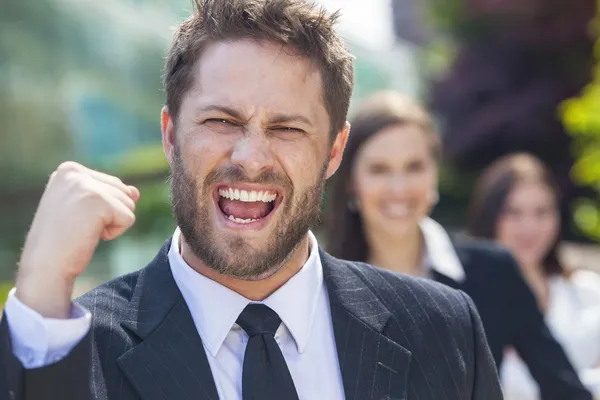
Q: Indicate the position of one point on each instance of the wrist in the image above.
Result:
(48, 296)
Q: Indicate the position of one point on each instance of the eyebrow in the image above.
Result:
(285, 118)
(223, 109)
(275, 119)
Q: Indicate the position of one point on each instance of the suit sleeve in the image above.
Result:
(68, 379)
(486, 384)
(540, 351)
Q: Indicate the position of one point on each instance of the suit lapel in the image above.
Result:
(372, 365)
(170, 361)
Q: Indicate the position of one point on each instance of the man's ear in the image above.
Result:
(168, 134)
(337, 149)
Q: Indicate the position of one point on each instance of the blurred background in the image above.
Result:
(81, 80)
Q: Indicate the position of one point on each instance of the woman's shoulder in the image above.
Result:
(483, 253)
(586, 283)
(585, 278)
(476, 246)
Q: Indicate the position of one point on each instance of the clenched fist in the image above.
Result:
(79, 207)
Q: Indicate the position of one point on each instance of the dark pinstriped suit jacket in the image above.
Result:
(397, 338)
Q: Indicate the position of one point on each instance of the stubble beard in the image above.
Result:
(229, 253)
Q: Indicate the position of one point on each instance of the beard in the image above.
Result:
(229, 253)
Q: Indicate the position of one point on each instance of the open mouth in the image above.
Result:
(397, 210)
(244, 206)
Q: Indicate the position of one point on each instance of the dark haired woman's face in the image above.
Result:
(394, 179)
(529, 222)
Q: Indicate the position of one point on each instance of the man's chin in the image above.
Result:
(244, 262)
(247, 239)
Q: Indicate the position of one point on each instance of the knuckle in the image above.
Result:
(71, 177)
(75, 181)
(53, 176)
(88, 192)
(68, 166)
(116, 181)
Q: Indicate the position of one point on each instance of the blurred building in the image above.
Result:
(409, 21)
(383, 60)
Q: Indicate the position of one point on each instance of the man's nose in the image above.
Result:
(252, 152)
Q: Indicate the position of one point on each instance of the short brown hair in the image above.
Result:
(345, 234)
(492, 189)
(305, 27)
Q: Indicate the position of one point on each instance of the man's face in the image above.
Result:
(250, 152)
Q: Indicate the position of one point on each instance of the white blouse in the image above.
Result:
(573, 317)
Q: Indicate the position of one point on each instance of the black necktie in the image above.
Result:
(266, 375)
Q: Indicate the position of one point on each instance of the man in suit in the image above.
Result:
(240, 303)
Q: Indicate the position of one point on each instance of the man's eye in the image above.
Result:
(221, 125)
(287, 129)
(218, 121)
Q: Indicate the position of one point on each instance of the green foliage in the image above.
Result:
(5, 287)
(447, 14)
(153, 211)
(78, 82)
(581, 117)
(149, 159)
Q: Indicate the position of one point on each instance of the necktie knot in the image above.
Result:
(257, 319)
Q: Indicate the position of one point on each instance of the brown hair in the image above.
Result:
(306, 28)
(345, 235)
(491, 192)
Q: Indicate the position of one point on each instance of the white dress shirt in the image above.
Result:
(573, 317)
(438, 251)
(305, 336)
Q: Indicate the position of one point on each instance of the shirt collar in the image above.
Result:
(440, 254)
(295, 302)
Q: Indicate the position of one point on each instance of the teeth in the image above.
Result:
(247, 196)
(241, 221)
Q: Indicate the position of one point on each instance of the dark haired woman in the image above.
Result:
(377, 213)
(515, 202)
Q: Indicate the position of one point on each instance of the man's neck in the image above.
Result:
(255, 290)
